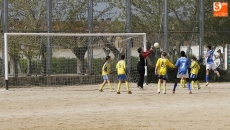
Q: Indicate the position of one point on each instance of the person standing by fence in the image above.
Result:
(220, 60)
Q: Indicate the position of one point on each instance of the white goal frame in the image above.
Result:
(59, 34)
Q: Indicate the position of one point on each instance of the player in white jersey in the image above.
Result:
(209, 64)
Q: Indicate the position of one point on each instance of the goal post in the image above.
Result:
(21, 49)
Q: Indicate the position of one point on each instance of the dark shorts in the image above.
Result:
(193, 76)
(164, 77)
(122, 77)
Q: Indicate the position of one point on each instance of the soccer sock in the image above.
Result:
(119, 87)
(198, 84)
(184, 83)
(127, 86)
(159, 86)
(164, 89)
(188, 84)
(174, 88)
(110, 86)
(207, 78)
(181, 82)
(192, 84)
(102, 85)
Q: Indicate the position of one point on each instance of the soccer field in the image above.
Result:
(85, 108)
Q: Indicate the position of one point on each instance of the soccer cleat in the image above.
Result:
(129, 92)
(118, 93)
(141, 88)
(100, 90)
(112, 90)
(206, 84)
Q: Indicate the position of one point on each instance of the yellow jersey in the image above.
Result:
(121, 67)
(162, 65)
(194, 67)
(106, 68)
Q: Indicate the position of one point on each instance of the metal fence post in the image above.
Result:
(90, 28)
(128, 30)
(201, 28)
(166, 25)
(49, 39)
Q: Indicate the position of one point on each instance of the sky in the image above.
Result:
(111, 14)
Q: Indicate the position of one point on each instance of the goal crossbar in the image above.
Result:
(74, 34)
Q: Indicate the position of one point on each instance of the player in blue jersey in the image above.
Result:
(182, 64)
(209, 64)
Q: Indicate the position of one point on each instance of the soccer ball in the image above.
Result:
(156, 45)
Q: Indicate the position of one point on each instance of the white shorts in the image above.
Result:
(210, 66)
(179, 76)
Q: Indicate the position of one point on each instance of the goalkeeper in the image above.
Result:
(141, 65)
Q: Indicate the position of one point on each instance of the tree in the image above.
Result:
(25, 15)
(71, 16)
(217, 29)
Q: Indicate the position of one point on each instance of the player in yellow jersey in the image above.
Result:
(105, 74)
(121, 72)
(161, 70)
(194, 72)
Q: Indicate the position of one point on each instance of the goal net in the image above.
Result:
(60, 58)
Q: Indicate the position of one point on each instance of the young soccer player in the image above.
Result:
(161, 70)
(121, 71)
(194, 72)
(105, 74)
(209, 64)
(183, 80)
(182, 64)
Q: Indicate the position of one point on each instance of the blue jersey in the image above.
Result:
(209, 59)
(182, 64)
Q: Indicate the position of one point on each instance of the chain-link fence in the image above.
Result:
(183, 25)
